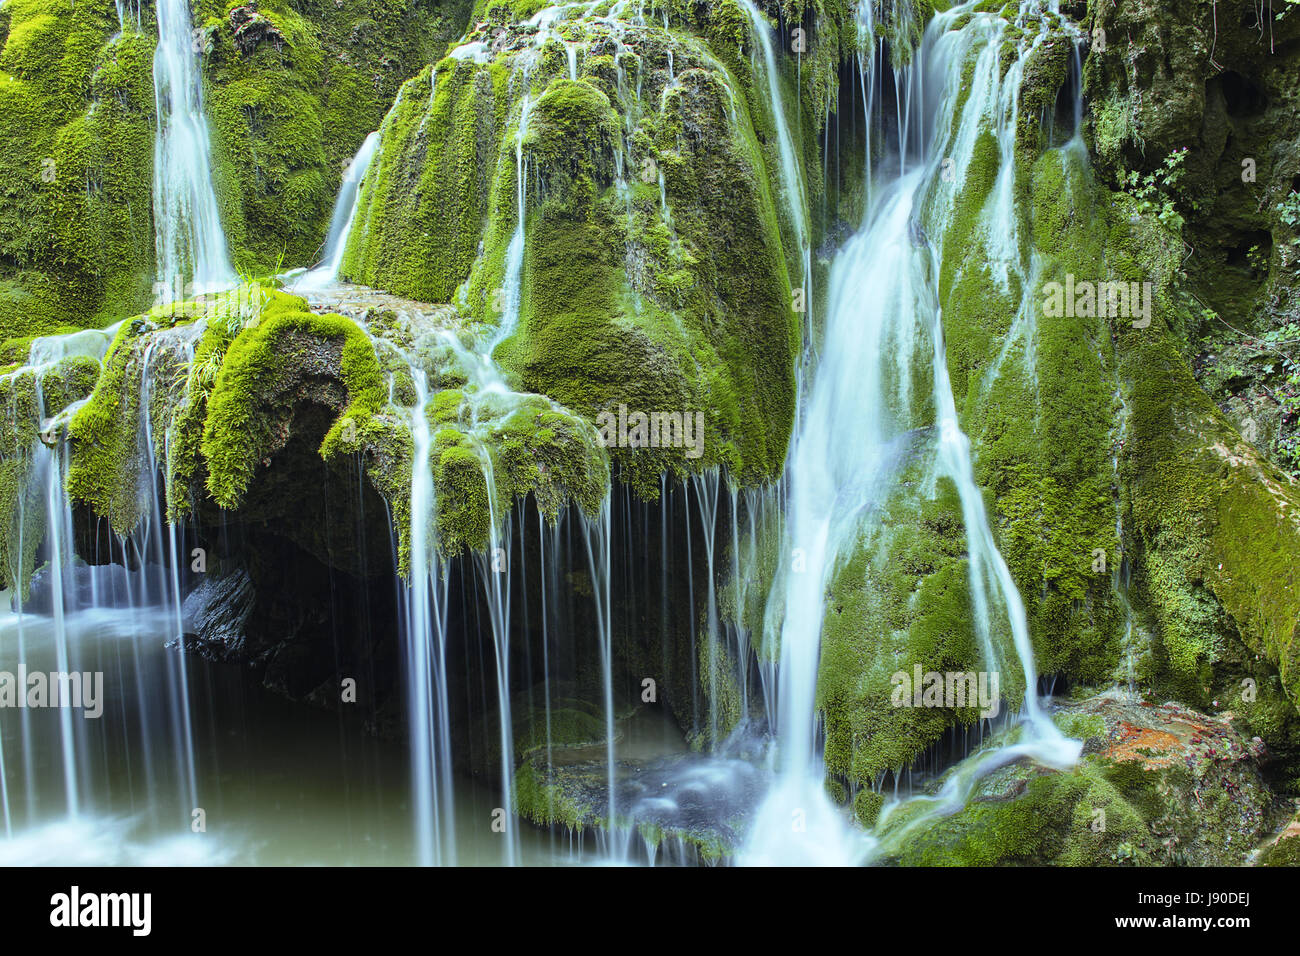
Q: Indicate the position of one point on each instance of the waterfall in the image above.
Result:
(188, 238)
(101, 619)
(791, 177)
(50, 521)
(879, 401)
(421, 623)
(511, 289)
(596, 538)
(494, 569)
(128, 16)
(861, 412)
(425, 639)
(341, 220)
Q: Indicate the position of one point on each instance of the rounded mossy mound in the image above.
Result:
(652, 274)
(211, 393)
(205, 393)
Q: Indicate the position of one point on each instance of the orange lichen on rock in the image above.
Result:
(1154, 748)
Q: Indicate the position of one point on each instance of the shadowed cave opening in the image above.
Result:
(300, 591)
(1241, 96)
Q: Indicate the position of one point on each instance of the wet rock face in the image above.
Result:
(300, 628)
(1194, 104)
(217, 611)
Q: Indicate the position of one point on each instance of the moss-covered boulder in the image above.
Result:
(652, 274)
(686, 807)
(209, 394)
(1126, 803)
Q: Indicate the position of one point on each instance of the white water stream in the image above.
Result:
(188, 238)
(791, 176)
(341, 220)
(883, 318)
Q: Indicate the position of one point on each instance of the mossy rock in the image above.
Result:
(617, 305)
(1155, 786)
(291, 91)
(76, 125)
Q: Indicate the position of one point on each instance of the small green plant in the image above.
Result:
(1155, 191)
(1269, 362)
(1288, 211)
(203, 375)
(1258, 259)
(1126, 852)
(1284, 343)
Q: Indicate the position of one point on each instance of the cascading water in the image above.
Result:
(341, 220)
(188, 238)
(860, 416)
(102, 624)
(512, 283)
(424, 616)
(791, 177)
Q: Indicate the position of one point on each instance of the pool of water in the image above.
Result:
(276, 782)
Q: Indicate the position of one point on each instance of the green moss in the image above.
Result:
(71, 380)
(717, 671)
(1113, 129)
(425, 201)
(1053, 821)
(901, 600)
(1285, 852)
(22, 512)
(545, 803)
(867, 806)
(263, 363)
(19, 411)
(1212, 526)
(464, 519)
(548, 452)
(104, 468)
(674, 333)
(1080, 726)
(1216, 524)
(76, 130)
(289, 111)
